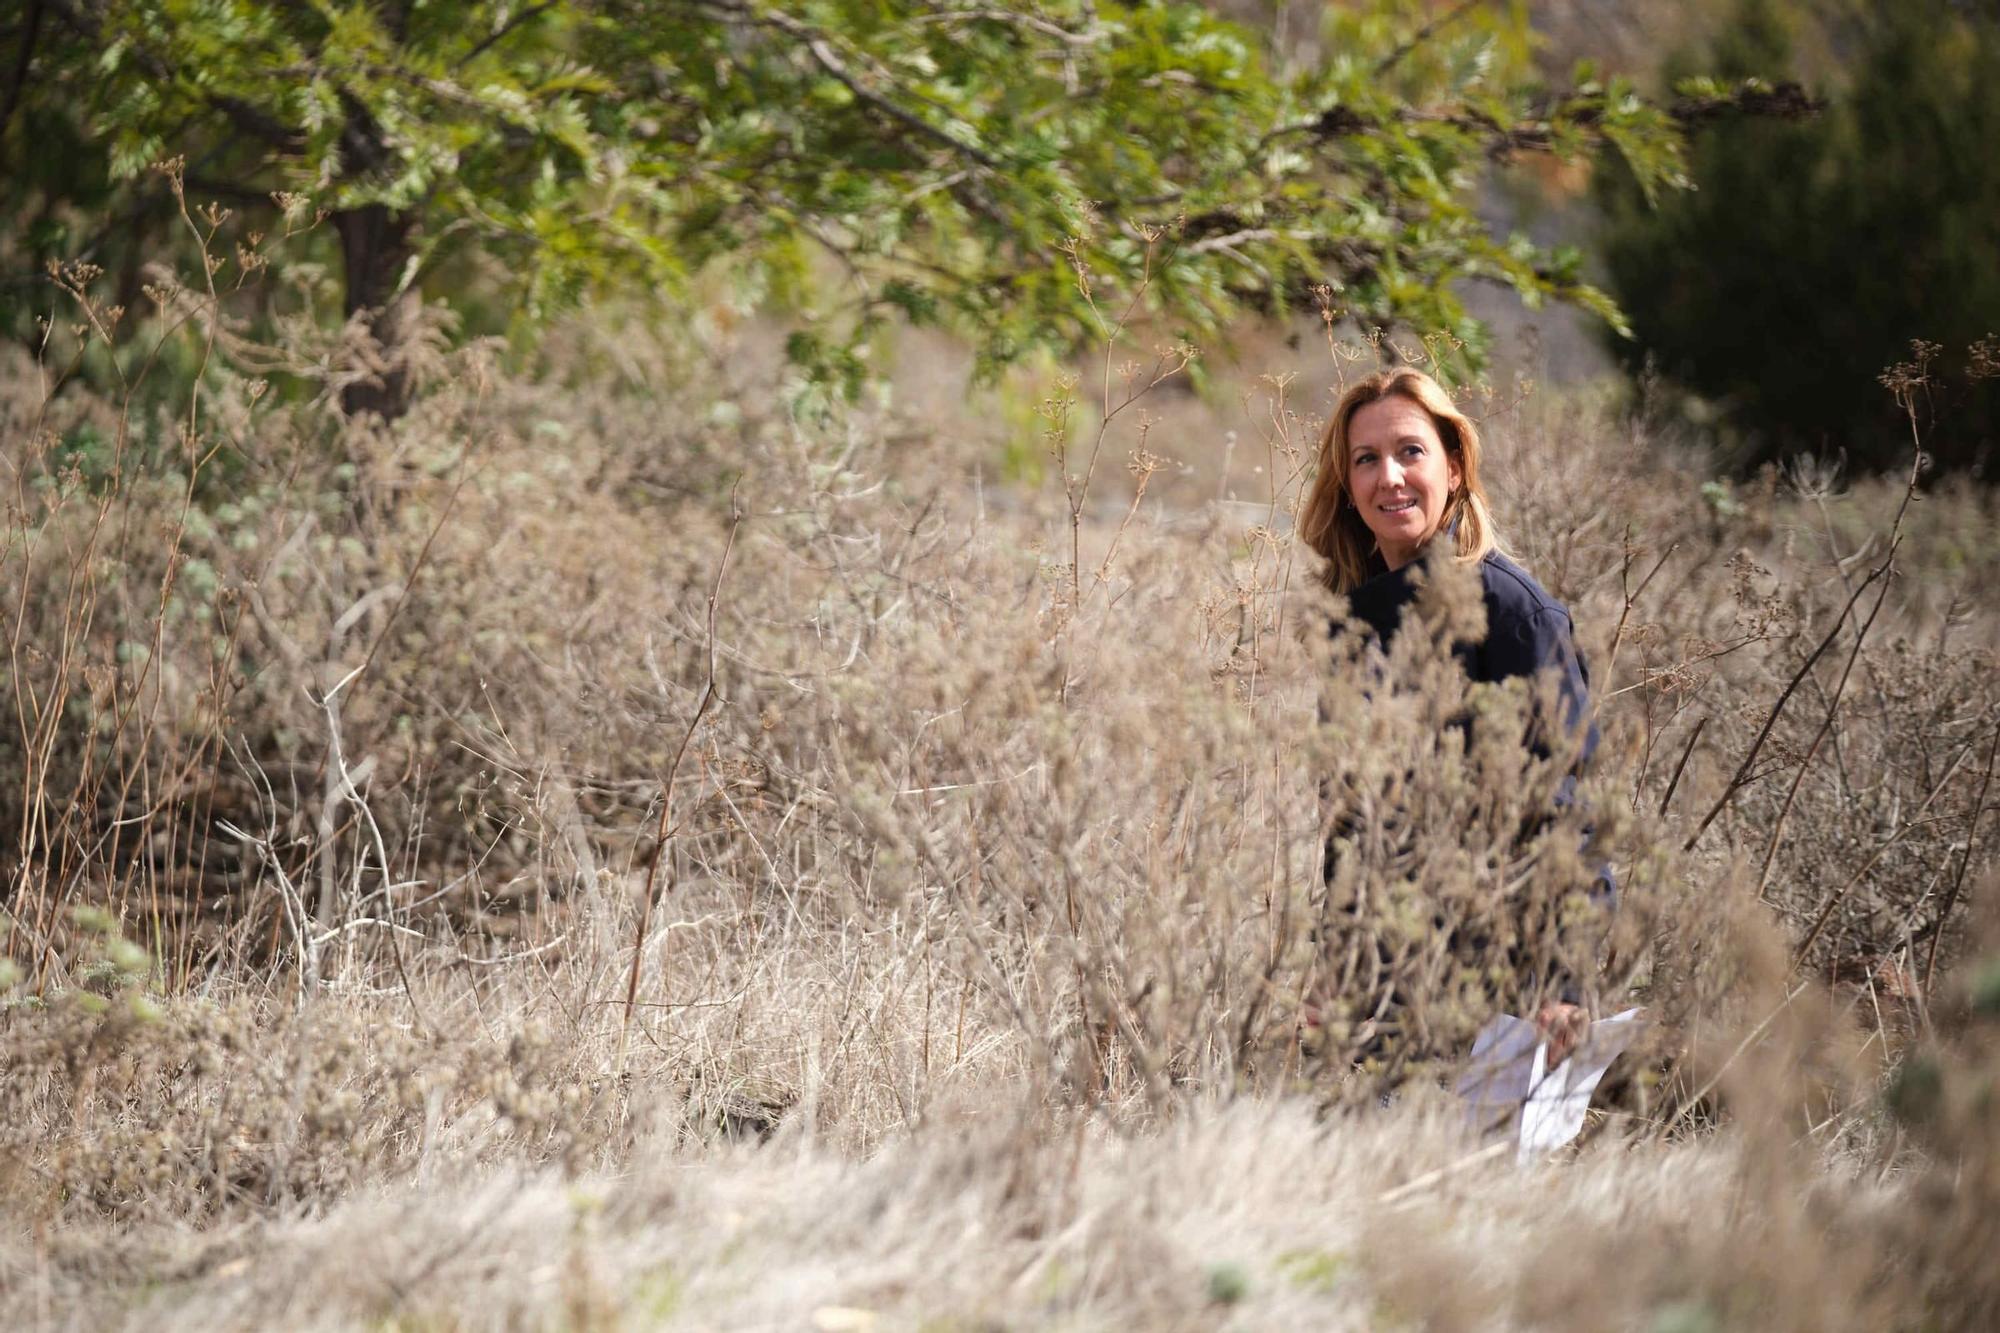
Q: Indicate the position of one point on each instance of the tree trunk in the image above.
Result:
(375, 248)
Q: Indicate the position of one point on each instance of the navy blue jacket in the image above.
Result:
(1527, 631)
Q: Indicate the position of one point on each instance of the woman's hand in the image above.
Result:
(1563, 1027)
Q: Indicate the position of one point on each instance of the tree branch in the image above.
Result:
(1009, 19)
(20, 74)
(501, 33)
(1784, 101)
(828, 59)
(1422, 35)
(1535, 132)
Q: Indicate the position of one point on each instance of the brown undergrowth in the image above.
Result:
(983, 827)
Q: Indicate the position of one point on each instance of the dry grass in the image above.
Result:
(985, 915)
(1256, 1214)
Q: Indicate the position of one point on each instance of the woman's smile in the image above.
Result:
(1399, 474)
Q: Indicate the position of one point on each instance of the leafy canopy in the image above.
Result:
(953, 163)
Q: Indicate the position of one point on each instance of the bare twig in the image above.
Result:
(1965, 859)
(1687, 1107)
(1819, 737)
(1741, 778)
(417, 568)
(661, 834)
(1422, 35)
(502, 32)
(1632, 596)
(1428, 1178)
(1840, 894)
(1674, 783)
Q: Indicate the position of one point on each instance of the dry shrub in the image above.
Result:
(1711, 599)
(1463, 875)
(1943, 1096)
(133, 1106)
(1014, 798)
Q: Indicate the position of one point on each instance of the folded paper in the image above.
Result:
(1509, 1088)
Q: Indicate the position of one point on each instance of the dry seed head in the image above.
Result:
(1814, 478)
(1983, 359)
(1904, 378)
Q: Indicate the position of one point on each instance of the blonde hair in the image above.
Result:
(1330, 523)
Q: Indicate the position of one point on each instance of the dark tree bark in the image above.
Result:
(375, 248)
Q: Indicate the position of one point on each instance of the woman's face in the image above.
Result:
(1399, 475)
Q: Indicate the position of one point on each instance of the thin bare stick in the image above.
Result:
(1422, 35)
(1674, 783)
(660, 833)
(1410, 1187)
(1805, 765)
(1742, 775)
(1902, 383)
(417, 568)
(1687, 1107)
(1840, 895)
(1958, 880)
(1632, 596)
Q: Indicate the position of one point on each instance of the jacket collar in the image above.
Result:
(1441, 540)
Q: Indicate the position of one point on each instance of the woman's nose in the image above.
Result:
(1392, 472)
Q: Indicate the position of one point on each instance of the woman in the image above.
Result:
(1398, 488)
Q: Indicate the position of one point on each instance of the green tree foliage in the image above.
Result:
(1811, 254)
(853, 160)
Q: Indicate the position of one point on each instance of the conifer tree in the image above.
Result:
(1810, 255)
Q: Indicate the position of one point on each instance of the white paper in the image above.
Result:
(1508, 1087)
